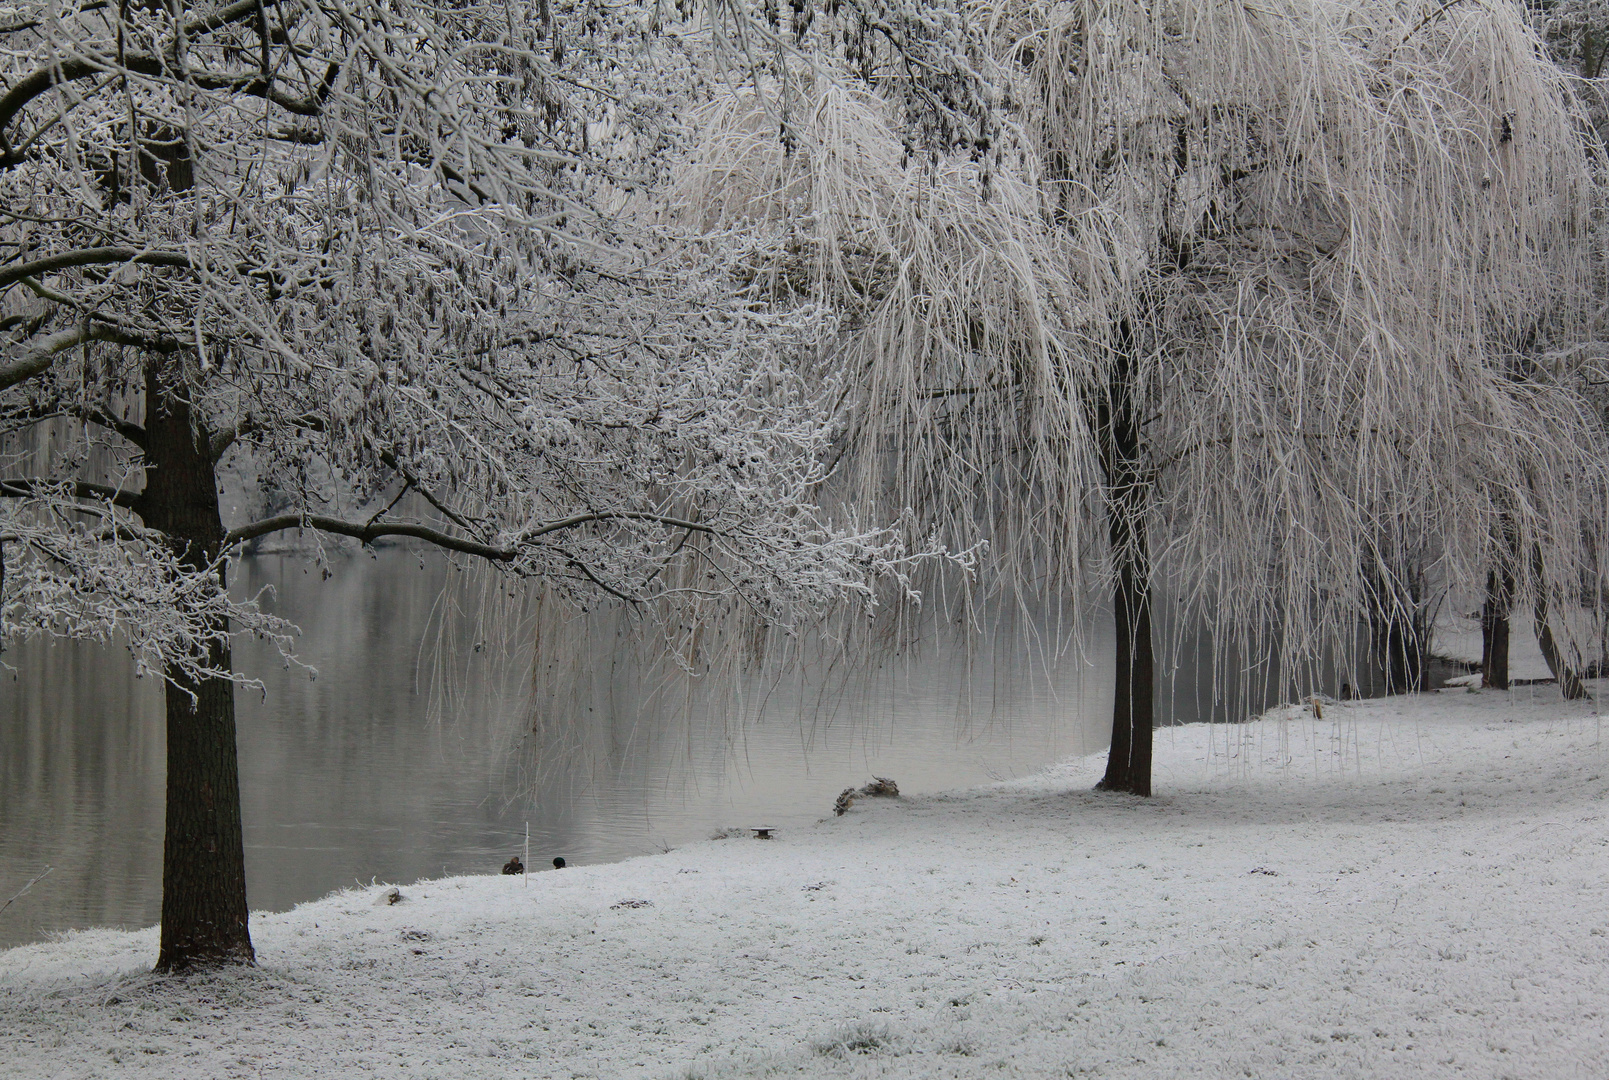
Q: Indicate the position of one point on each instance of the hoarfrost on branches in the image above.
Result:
(389, 258)
(385, 254)
(97, 580)
(1275, 306)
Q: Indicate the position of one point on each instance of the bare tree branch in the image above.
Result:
(223, 440)
(38, 355)
(91, 257)
(389, 460)
(616, 515)
(129, 430)
(29, 488)
(42, 79)
(368, 533)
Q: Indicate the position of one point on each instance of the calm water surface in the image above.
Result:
(370, 772)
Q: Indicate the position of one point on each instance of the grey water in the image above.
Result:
(408, 756)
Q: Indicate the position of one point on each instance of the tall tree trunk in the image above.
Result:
(1398, 626)
(1408, 655)
(1128, 762)
(203, 856)
(1498, 610)
(1495, 628)
(1569, 682)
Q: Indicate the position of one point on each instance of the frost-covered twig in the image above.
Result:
(31, 883)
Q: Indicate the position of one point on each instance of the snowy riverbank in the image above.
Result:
(1415, 886)
(1458, 638)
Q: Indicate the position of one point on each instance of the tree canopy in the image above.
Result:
(381, 253)
(1246, 300)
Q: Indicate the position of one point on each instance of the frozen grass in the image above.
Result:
(1410, 887)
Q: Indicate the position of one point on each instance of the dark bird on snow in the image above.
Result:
(558, 862)
(514, 866)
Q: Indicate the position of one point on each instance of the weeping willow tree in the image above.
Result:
(1233, 300)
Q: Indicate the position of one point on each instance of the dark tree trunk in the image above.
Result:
(203, 860)
(1494, 629)
(1398, 627)
(203, 857)
(1497, 612)
(1128, 763)
(1569, 682)
(1400, 661)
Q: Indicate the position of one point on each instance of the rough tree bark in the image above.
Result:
(203, 855)
(1128, 763)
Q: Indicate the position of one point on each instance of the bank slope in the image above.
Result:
(1409, 886)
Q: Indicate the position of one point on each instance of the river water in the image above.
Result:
(410, 755)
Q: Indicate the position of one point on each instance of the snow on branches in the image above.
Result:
(387, 255)
(1332, 259)
(72, 569)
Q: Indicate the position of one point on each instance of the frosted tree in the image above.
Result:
(1238, 300)
(379, 250)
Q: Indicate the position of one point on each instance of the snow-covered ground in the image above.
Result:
(1407, 887)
